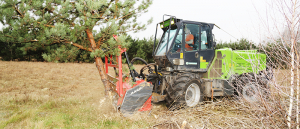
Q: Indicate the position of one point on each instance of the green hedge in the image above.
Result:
(276, 52)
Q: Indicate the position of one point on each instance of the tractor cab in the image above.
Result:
(184, 45)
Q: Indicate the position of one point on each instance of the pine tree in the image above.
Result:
(42, 23)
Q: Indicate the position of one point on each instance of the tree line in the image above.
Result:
(63, 53)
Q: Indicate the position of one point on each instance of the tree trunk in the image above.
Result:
(293, 44)
(292, 88)
(103, 75)
(99, 64)
(297, 98)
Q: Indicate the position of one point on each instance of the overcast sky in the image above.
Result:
(240, 18)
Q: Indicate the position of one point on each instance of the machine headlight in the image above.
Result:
(172, 22)
(161, 26)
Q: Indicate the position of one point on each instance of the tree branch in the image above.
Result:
(115, 15)
(46, 25)
(80, 46)
(106, 8)
(27, 41)
(18, 11)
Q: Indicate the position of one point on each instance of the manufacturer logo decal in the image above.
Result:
(191, 63)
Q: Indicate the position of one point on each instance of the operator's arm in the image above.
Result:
(189, 42)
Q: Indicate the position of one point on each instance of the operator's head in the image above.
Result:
(187, 31)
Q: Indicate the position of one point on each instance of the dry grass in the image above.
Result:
(50, 95)
(67, 95)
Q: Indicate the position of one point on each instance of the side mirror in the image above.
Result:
(214, 44)
(214, 41)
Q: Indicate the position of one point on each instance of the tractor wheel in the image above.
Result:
(185, 92)
(252, 90)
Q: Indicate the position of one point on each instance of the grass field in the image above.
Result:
(49, 95)
(69, 95)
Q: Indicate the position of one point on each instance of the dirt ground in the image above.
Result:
(71, 95)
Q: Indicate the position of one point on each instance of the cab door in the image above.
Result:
(207, 51)
(191, 50)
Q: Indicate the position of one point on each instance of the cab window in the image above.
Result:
(206, 42)
(177, 46)
(191, 37)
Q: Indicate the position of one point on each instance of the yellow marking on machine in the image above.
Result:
(201, 59)
(158, 73)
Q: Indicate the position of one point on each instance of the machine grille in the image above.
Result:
(216, 70)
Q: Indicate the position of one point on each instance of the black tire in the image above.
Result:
(250, 92)
(185, 92)
(250, 89)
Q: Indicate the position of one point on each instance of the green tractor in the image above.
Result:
(188, 68)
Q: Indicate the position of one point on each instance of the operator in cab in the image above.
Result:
(189, 40)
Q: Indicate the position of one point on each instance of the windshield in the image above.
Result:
(163, 44)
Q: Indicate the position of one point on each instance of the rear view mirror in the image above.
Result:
(214, 44)
(214, 41)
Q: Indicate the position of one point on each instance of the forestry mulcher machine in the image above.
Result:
(188, 68)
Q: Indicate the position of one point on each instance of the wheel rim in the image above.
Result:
(192, 95)
(250, 92)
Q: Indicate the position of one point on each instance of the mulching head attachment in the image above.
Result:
(131, 98)
(137, 98)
